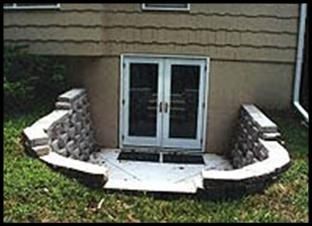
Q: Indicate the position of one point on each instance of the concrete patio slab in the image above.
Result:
(156, 176)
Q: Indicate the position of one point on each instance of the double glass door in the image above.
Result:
(162, 102)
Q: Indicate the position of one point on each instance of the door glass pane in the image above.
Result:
(143, 99)
(184, 101)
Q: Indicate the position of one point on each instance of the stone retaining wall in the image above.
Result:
(248, 179)
(67, 130)
(253, 125)
(65, 136)
(257, 158)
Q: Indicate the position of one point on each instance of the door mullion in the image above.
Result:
(159, 102)
(167, 90)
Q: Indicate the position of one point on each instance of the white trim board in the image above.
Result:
(16, 7)
(299, 61)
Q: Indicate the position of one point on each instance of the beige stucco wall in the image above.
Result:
(234, 83)
(100, 76)
(252, 48)
(231, 84)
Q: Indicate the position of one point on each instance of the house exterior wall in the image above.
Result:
(231, 84)
(251, 47)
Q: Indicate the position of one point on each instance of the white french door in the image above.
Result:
(162, 102)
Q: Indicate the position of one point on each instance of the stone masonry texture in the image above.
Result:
(67, 130)
(253, 125)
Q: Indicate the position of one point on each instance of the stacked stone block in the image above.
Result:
(69, 132)
(73, 136)
(253, 125)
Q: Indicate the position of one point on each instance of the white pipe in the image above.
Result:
(300, 47)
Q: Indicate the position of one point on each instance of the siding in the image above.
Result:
(75, 29)
(257, 32)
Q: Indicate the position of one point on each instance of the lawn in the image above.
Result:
(33, 192)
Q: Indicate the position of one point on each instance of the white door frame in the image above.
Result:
(204, 111)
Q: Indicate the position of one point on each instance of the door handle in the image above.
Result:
(163, 107)
(166, 107)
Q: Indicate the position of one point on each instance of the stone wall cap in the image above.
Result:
(277, 158)
(42, 149)
(71, 95)
(268, 135)
(259, 116)
(49, 120)
(35, 136)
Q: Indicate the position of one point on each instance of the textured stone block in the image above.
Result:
(73, 118)
(63, 105)
(262, 154)
(249, 157)
(52, 134)
(65, 124)
(84, 156)
(75, 153)
(57, 129)
(63, 140)
(77, 138)
(41, 150)
(79, 115)
(83, 133)
(70, 146)
(78, 126)
(83, 145)
(54, 145)
(62, 151)
(71, 132)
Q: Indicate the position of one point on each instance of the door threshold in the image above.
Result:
(173, 151)
(161, 156)
(137, 156)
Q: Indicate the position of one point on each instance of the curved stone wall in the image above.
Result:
(257, 158)
(65, 138)
(251, 178)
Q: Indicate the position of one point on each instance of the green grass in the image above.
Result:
(33, 192)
